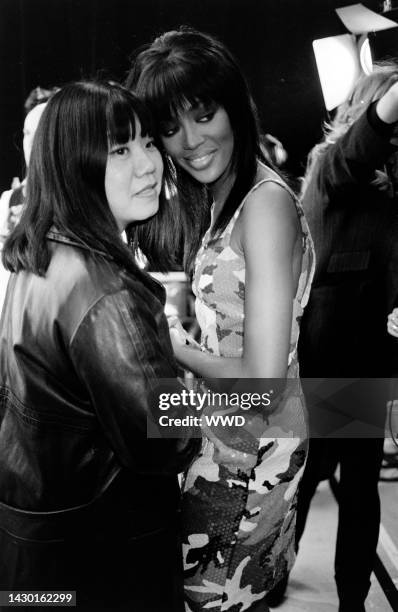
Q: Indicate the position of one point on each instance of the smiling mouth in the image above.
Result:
(148, 191)
(199, 163)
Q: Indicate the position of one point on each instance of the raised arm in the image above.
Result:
(364, 148)
(387, 106)
(269, 231)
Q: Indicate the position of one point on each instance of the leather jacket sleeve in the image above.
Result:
(120, 349)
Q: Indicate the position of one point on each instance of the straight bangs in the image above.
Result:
(66, 178)
(122, 111)
(180, 86)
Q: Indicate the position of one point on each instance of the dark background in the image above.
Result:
(49, 42)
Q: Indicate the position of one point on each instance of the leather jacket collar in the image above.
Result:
(56, 236)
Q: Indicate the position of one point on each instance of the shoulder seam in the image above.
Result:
(139, 338)
(86, 312)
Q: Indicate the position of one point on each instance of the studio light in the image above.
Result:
(365, 54)
(338, 67)
(342, 59)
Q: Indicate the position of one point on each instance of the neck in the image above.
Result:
(221, 189)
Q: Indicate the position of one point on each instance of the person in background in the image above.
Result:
(11, 201)
(274, 151)
(252, 274)
(389, 466)
(88, 502)
(350, 199)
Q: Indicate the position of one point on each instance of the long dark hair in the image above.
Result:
(180, 69)
(66, 177)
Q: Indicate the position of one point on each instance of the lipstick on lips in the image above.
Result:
(200, 162)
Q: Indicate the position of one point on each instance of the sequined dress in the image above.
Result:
(239, 507)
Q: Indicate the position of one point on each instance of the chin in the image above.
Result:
(206, 177)
(209, 175)
(150, 210)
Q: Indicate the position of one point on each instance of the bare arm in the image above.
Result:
(269, 230)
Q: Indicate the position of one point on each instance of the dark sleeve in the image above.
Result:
(117, 354)
(355, 156)
(380, 126)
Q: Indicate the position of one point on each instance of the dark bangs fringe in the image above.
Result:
(170, 89)
(174, 89)
(65, 186)
(120, 118)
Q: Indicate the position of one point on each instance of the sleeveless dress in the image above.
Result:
(238, 508)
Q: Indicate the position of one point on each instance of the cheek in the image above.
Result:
(229, 145)
(116, 179)
(171, 146)
(159, 164)
(228, 135)
(107, 183)
(112, 186)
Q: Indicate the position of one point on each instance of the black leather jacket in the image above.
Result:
(78, 351)
(354, 225)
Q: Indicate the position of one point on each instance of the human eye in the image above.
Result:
(206, 117)
(205, 114)
(150, 143)
(119, 151)
(169, 129)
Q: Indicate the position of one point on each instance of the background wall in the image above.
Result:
(49, 42)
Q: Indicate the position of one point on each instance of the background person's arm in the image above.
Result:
(361, 150)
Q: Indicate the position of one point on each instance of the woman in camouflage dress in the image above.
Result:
(252, 275)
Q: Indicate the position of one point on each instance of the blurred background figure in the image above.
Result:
(273, 150)
(349, 197)
(11, 201)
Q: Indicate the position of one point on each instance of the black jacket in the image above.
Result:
(79, 480)
(355, 230)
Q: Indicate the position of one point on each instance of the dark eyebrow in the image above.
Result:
(202, 105)
(198, 105)
(167, 121)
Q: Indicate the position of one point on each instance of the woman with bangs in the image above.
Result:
(252, 269)
(83, 339)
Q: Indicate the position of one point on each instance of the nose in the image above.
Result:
(143, 162)
(192, 135)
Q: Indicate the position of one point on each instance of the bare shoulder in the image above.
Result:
(270, 200)
(268, 208)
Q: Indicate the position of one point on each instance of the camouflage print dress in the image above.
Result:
(239, 507)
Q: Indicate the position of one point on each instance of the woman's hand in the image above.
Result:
(392, 323)
(179, 337)
(14, 216)
(176, 340)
